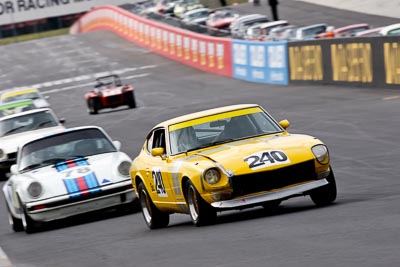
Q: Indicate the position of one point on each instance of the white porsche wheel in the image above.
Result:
(28, 224)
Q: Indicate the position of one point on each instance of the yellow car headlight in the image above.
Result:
(1, 153)
(321, 153)
(212, 176)
(35, 189)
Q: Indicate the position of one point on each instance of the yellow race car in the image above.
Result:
(227, 158)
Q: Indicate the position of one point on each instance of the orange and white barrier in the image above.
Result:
(211, 54)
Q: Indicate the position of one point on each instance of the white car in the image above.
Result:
(72, 172)
(20, 127)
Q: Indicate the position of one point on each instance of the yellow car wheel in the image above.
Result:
(326, 194)
(200, 211)
(153, 217)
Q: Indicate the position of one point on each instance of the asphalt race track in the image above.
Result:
(361, 127)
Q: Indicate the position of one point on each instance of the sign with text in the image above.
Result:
(260, 61)
(15, 11)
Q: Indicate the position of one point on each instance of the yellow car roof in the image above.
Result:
(17, 92)
(204, 113)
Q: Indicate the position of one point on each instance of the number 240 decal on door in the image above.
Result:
(266, 158)
(158, 181)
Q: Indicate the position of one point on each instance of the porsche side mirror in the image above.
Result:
(46, 97)
(62, 120)
(284, 123)
(117, 145)
(158, 151)
(14, 169)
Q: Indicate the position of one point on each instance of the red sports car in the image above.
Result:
(109, 92)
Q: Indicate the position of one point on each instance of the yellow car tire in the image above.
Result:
(200, 211)
(153, 217)
(326, 194)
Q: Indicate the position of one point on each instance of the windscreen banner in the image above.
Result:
(261, 62)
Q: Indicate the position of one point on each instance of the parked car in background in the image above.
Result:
(162, 5)
(195, 17)
(227, 158)
(220, 19)
(259, 32)
(16, 107)
(239, 26)
(24, 94)
(347, 31)
(390, 30)
(68, 173)
(109, 92)
(370, 32)
(281, 33)
(140, 7)
(308, 32)
(18, 128)
(184, 6)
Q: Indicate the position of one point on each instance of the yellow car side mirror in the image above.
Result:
(284, 123)
(158, 151)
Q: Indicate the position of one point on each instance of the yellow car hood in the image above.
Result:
(259, 154)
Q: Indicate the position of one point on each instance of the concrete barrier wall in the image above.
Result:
(365, 62)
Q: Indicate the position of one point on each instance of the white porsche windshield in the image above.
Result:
(28, 122)
(217, 129)
(63, 147)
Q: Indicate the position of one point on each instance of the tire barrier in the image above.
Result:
(361, 61)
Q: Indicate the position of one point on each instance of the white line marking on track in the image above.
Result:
(86, 77)
(4, 261)
(89, 84)
(391, 97)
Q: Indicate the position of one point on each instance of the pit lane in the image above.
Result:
(360, 126)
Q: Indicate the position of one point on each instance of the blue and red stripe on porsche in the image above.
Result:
(79, 186)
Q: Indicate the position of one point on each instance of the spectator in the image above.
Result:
(274, 8)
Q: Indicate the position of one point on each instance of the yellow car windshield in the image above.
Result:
(220, 128)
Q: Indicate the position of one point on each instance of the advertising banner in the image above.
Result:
(360, 61)
(260, 62)
(14, 11)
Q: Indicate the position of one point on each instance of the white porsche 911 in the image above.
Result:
(71, 172)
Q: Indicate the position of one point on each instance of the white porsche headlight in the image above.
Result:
(212, 176)
(35, 189)
(124, 168)
(321, 153)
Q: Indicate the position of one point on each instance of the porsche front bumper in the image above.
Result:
(53, 209)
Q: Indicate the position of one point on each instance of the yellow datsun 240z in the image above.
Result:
(227, 158)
